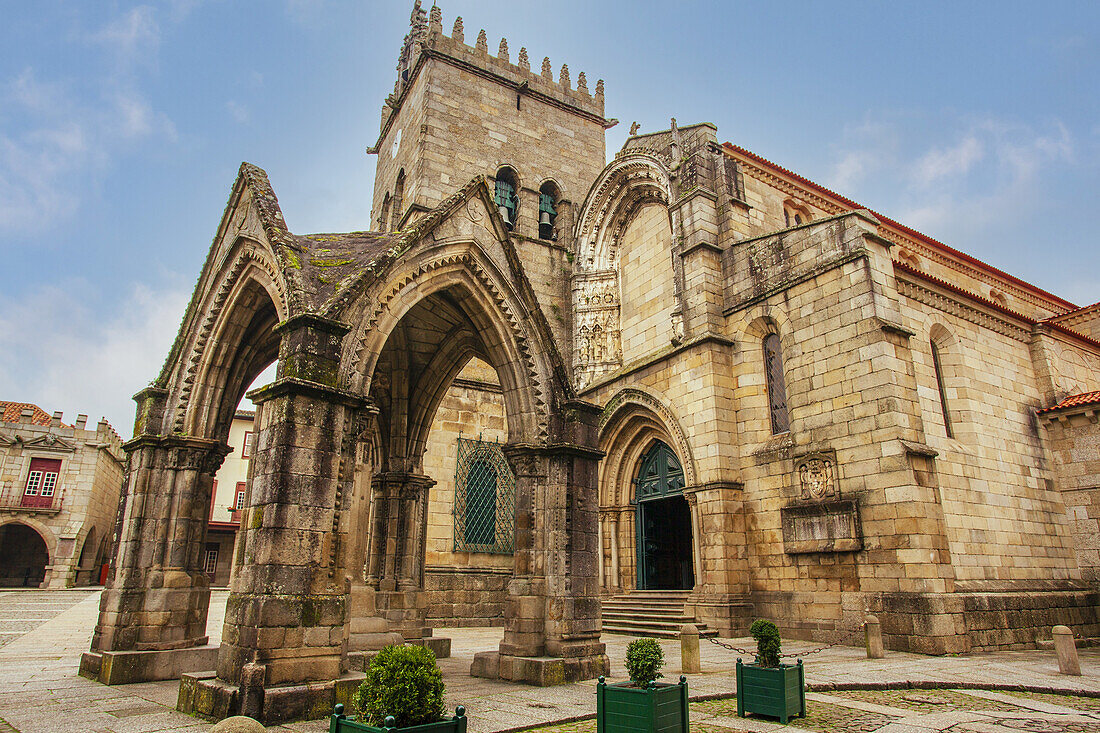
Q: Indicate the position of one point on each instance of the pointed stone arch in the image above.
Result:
(334, 307)
(633, 182)
(497, 313)
(631, 420)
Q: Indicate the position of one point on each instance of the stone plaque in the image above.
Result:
(825, 527)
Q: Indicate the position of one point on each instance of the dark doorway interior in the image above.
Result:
(665, 545)
(23, 556)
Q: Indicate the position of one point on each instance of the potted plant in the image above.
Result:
(642, 705)
(768, 687)
(403, 690)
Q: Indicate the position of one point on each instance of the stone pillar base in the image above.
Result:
(440, 645)
(539, 671)
(125, 667)
(204, 695)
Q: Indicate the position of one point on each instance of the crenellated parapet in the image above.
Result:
(426, 39)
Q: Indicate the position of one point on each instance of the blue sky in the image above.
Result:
(122, 126)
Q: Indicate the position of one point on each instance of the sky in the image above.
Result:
(122, 126)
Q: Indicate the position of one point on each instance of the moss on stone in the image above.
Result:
(318, 262)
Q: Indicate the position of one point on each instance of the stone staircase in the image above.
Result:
(657, 613)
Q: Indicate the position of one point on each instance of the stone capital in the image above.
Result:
(183, 454)
(289, 386)
(401, 484)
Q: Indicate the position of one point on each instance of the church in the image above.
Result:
(545, 391)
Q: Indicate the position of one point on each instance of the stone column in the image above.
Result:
(601, 532)
(616, 573)
(696, 544)
(287, 608)
(397, 554)
(552, 617)
(157, 595)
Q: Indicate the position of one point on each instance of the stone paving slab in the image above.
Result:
(38, 673)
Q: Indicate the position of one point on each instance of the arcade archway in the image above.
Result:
(23, 556)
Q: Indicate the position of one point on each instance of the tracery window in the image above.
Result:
(795, 215)
(777, 388)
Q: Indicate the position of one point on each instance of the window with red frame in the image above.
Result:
(239, 503)
(41, 482)
(246, 452)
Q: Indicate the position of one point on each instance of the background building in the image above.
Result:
(59, 494)
(228, 500)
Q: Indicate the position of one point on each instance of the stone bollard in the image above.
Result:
(1066, 650)
(689, 650)
(238, 724)
(872, 630)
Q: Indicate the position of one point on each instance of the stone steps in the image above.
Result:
(649, 613)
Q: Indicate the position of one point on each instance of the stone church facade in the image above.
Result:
(542, 380)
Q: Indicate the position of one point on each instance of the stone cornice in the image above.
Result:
(942, 301)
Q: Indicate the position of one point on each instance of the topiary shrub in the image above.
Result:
(767, 642)
(644, 659)
(402, 681)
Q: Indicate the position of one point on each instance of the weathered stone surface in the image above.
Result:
(238, 724)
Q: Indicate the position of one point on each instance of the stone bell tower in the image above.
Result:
(457, 112)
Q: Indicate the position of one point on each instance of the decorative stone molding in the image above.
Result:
(632, 396)
(423, 274)
(947, 304)
(632, 180)
(597, 345)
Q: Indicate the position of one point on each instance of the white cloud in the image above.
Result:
(134, 117)
(237, 111)
(56, 352)
(132, 35)
(992, 173)
(949, 162)
(58, 134)
(869, 148)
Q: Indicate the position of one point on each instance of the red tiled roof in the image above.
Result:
(1054, 325)
(1077, 400)
(1084, 310)
(934, 243)
(13, 411)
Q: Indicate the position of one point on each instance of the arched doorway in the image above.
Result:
(23, 556)
(663, 522)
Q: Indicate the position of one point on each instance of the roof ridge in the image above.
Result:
(932, 241)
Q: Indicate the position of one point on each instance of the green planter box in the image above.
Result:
(659, 708)
(340, 724)
(776, 691)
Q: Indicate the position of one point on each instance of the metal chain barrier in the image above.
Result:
(840, 642)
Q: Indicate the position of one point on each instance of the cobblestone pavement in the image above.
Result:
(41, 692)
(24, 610)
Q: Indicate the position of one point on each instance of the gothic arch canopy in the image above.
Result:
(458, 261)
(625, 185)
(631, 421)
